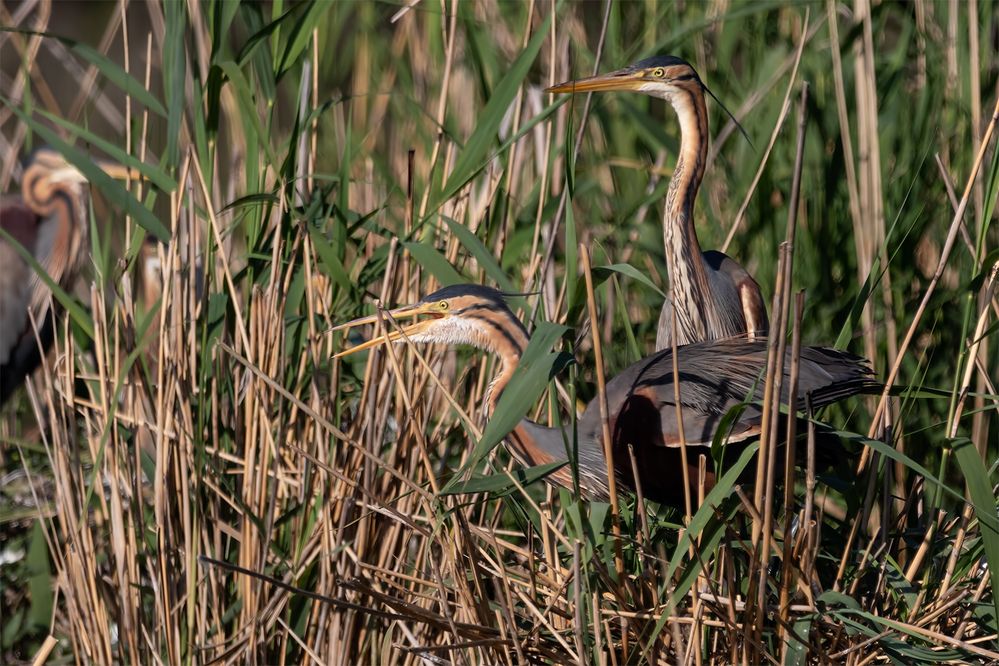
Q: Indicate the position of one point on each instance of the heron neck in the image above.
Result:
(63, 229)
(684, 263)
(71, 231)
(509, 345)
(534, 444)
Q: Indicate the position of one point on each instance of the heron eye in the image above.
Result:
(444, 305)
(659, 72)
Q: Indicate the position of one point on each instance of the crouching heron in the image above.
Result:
(714, 377)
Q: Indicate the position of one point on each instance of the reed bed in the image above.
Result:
(190, 478)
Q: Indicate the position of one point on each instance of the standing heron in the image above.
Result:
(715, 376)
(49, 219)
(713, 295)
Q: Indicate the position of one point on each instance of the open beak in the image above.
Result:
(392, 335)
(622, 79)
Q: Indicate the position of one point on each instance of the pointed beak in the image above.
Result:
(118, 171)
(622, 79)
(391, 335)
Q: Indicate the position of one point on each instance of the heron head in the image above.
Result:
(460, 314)
(659, 76)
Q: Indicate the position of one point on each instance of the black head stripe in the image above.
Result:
(473, 290)
(661, 61)
(501, 328)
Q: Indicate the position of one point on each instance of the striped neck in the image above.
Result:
(509, 347)
(684, 263)
(63, 203)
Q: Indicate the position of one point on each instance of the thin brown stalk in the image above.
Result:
(685, 472)
(449, 56)
(789, 461)
(591, 304)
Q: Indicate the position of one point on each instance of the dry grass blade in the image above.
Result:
(584, 257)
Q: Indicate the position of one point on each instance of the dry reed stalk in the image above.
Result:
(687, 513)
(871, 190)
(584, 260)
(788, 267)
(765, 462)
(449, 52)
(789, 464)
(852, 179)
(979, 423)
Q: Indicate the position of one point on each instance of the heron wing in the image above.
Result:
(748, 299)
(715, 377)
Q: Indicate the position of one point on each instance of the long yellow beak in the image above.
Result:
(622, 79)
(118, 171)
(389, 336)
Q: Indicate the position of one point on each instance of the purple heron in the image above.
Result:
(713, 295)
(715, 376)
(49, 219)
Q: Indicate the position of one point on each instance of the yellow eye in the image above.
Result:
(659, 72)
(443, 305)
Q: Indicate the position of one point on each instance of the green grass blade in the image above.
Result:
(633, 273)
(574, 290)
(118, 76)
(502, 484)
(151, 172)
(704, 525)
(984, 502)
(111, 70)
(470, 160)
(301, 33)
(481, 254)
(528, 383)
(259, 38)
(704, 515)
(898, 456)
(243, 91)
(174, 77)
(329, 260)
(434, 261)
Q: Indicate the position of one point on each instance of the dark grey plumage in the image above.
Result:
(715, 376)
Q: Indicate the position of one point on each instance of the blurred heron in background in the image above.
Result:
(49, 220)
